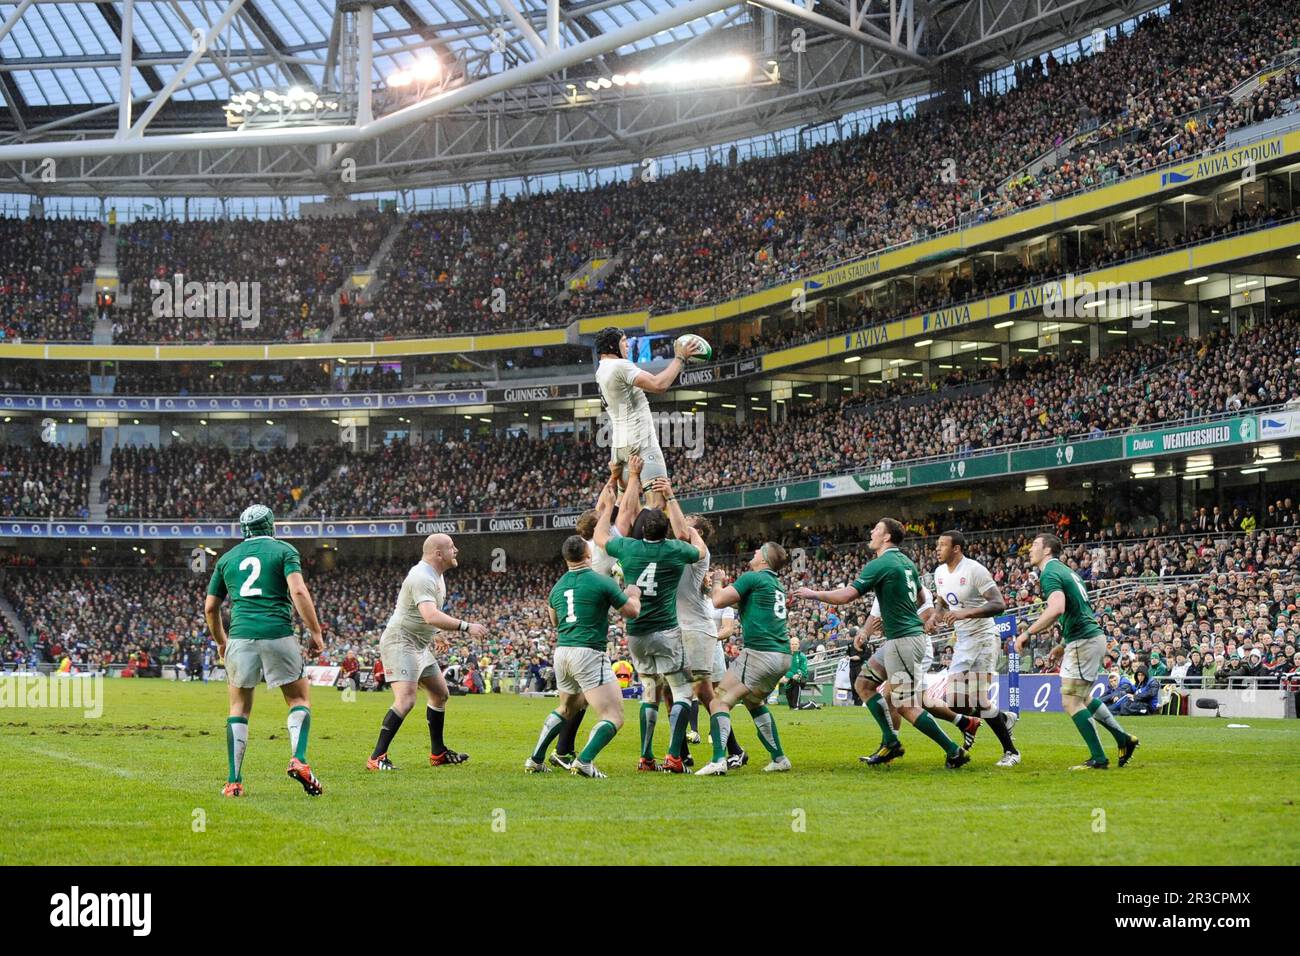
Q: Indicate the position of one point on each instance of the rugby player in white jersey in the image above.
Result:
(407, 650)
(623, 388)
(967, 598)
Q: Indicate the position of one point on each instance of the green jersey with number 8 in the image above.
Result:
(897, 582)
(763, 611)
(253, 573)
(1078, 622)
(656, 568)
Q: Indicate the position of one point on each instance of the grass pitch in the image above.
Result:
(141, 785)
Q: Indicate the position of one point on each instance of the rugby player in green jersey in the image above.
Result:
(579, 607)
(764, 661)
(1081, 651)
(897, 584)
(263, 577)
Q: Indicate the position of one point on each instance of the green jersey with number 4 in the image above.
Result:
(897, 582)
(1078, 622)
(582, 600)
(253, 573)
(656, 568)
(762, 611)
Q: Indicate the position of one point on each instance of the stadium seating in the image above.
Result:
(1047, 399)
(1157, 95)
(299, 264)
(43, 263)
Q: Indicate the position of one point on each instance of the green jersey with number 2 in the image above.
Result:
(897, 582)
(1078, 622)
(253, 573)
(762, 611)
(655, 567)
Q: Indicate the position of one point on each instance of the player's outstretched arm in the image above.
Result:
(630, 505)
(722, 596)
(844, 595)
(676, 519)
(302, 603)
(1055, 608)
(601, 534)
(445, 622)
(660, 383)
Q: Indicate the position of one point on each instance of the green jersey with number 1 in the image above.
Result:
(656, 568)
(253, 573)
(1078, 622)
(897, 582)
(762, 611)
(582, 600)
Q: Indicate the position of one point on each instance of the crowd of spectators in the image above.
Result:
(473, 476)
(1046, 399)
(1155, 96)
(185, 482)
(43, 263)
(298, 266)
(45, 481)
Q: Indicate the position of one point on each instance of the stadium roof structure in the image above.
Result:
(134, 97)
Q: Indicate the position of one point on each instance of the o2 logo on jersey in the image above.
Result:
(951, 598)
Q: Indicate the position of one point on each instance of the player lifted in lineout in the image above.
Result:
(406, 648)
(1081, 651)
(263, 577)
(579, 606)
(623, 388)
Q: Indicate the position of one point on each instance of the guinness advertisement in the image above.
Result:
(533, 393)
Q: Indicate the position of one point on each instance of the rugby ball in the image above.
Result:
(705, 354)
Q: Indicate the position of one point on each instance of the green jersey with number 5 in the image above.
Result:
(1078, 622)
(897, 582)
(253, 573)
(762, 611)
(656, 568)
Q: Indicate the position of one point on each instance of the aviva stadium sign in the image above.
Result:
(1241, 158)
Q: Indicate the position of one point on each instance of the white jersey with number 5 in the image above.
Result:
(968, 586)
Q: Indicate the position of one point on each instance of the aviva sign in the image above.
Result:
(945, 318)
(1227, 162)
